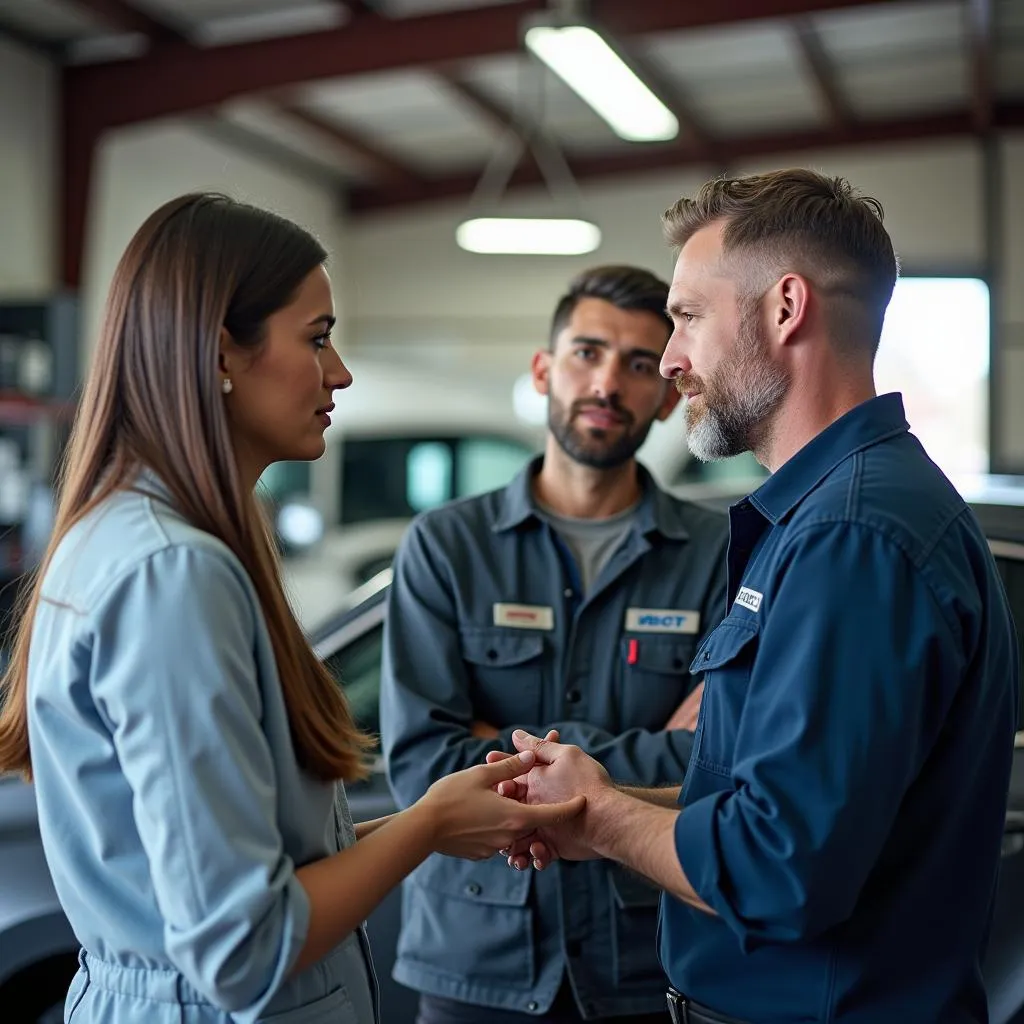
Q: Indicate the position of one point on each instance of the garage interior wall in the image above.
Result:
(407, 293)
(28, 165)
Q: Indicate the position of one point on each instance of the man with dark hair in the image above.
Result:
(572, 599)
(832, 855)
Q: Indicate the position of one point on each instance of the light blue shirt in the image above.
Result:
(172, 807)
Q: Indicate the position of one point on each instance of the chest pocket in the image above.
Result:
(507, 670)
(656, 679)
(725, 661)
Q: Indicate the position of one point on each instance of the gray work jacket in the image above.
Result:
(485, 621)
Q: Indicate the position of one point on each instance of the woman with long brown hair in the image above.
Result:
(186, 745)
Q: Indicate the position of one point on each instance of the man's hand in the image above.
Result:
(469, 819)
(685, 716)
(561, 769)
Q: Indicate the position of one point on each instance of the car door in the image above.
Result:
(350, 645)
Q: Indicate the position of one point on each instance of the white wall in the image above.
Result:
(28, 152)
(418, 298)
(139, 168)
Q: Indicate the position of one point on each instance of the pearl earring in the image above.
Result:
(226, 385)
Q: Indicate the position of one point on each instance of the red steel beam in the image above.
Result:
(179, 81)
(665, 157)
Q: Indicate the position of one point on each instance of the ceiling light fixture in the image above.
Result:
(539, 236)
(564, 233)
(585, 61)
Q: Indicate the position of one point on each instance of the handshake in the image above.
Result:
(535, 806)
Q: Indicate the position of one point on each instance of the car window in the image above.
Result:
(356, 667)
(397, 477)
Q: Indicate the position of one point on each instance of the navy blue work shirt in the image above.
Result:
(844, 805)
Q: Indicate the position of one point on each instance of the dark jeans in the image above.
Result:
(435, 1010)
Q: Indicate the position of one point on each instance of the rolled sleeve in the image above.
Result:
(175, 676)
(855, 671)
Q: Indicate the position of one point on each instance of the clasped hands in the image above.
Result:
(560, 773)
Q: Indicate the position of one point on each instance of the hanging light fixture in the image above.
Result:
(585, 61)
(591, 66)
(566, 233)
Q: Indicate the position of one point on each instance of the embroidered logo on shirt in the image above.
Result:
(662, 620)
(749, 599)
(524, 616)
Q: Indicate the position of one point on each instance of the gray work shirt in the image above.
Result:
(486, 622)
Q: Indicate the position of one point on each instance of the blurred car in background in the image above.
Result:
(38, 950)
(403, 440)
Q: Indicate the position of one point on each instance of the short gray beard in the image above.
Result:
(741, 420)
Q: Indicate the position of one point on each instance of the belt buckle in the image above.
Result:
(678, 1007)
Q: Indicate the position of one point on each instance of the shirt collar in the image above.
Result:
(865, 425)
(658, 511)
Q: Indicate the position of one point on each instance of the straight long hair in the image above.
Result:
(152, 400)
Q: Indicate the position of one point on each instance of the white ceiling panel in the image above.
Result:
(524, 87)
(874, 33)
(265, 120)
(409, 8)
(221, 22)
(767, 104)
(410, 112)
(896, 88)
(748, 52)
(203, 10)
(49, 20)
(397, 101)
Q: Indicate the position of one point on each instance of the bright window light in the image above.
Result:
(526, 236)
(935, 350)
(589, 66)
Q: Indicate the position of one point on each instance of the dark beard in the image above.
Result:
(588, 447)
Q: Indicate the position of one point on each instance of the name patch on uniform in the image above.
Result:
(749, 599)
(524, 616)
(662, 620)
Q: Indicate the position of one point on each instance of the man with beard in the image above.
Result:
(572, 600)
(835, 854)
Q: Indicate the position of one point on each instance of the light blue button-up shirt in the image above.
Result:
(172, 806)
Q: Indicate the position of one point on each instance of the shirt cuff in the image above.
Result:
(697, 847)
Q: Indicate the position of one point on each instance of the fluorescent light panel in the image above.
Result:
(588, 65)
(523, 236)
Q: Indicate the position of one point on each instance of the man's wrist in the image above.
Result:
(602, 815)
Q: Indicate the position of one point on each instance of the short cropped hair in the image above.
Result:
(625, 287)
(799, 221)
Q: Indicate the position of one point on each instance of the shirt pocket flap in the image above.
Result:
(490, 882)
(499, 648)
(663, 654)
(629, 890)
(727, 643)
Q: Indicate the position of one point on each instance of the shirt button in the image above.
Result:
(707, 655)
(677, 662)
(567, 592)
(573, 696)
(492, 654)
(473, 889)
(532, 1006)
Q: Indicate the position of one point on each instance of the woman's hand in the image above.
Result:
(469, 819)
